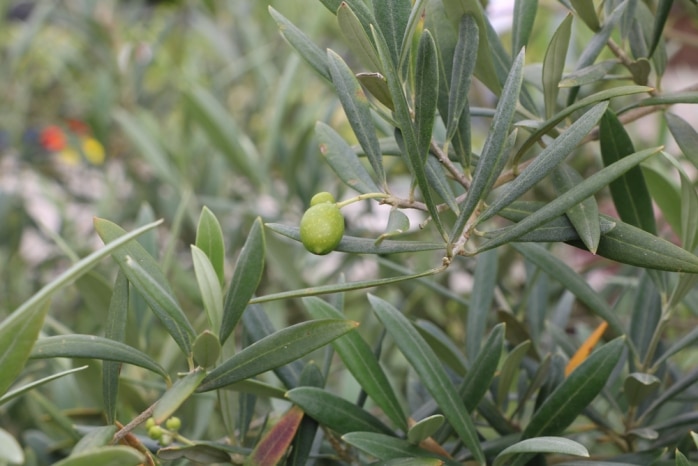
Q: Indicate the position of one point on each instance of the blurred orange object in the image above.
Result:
(585, 350)
(53, 138)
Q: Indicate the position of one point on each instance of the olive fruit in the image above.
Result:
(319, 198)
(322, 227)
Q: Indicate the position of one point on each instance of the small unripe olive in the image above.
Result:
(155, 432)
(319, 198)
(149, 423)
(322, 228)
(173, 423)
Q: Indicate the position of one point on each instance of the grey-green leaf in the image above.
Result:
(558, 445)
(93, 347)
(357, 38)
(426, 92)
(209, 238)
(248, 273)
(177, 394)
(391, 18)
(524, 17)
(385, 447)
(431, 372)
(114, 329)
(554, 64)
(464, 57)
(276, 350)
(685, 135)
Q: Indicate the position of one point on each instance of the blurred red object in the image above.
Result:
(53, 138)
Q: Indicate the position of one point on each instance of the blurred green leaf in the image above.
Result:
(93, 347)
(305, 47)
(424, 428)
(575, 195)
(209, 238)
(559, 445)
(585, 215)
(357, 38)
(377, 86)
(177, 394)
(685, 135)
(18, 391)
(431, 372)
(202, 453)
(398, 223)
(554, 64)
(343, 160)
(571, 397)
(464, 58)
(10, 449)
(144, 273)
(681, 459)
(246, 278)
(638, 386)
(334, 412)
(681, 97)
(114, 329)
(385, 447)
(358, 245)
(665, 193)
(510, 369)
(358, 111)
(206, 349)
(426, 88)
(493, 158)
(479, 377)
(629, 192)
(391, 19)
(660, 18)
(587, 75)
(484, 284)
(105, 456)
(209, 287)
(443, 346)
(276, 350)
(224, 132)
(547, 160)
(524, 17)
(587, 12)
(361, 362)
(95, 438)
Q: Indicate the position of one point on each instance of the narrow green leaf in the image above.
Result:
(25, 322)
(361, 362)
(571, 397)
(95, 438)
(19, 391)
(509, 371)
(631, 245)
(547, 160)
(554, 64)
(18, 334)
(667, 394)
(430, 371)
(93, 347)
(357, 109)
(524, 17)
(665, 192)
(276, 350)
(491, 159)
(358, 245)
(681, 459)
(177, 394)
(685, 135)
(10, 449)
(426, 84)
(443, 346)
(660, 17)
(585, 215)
(118, 455)
(209, 287)
(357, 38)
(558, 445)
(377, 86)
(638, 386)
(629, 192)
(681, 97)
(548, 125)
(464, 58)
(686, 341)
(223, 132)
(209, 238)
(477, 381)
(391, 18)
(645, 316)
(571, 280)
(587, 12)
(406, 129)
(484, 284)
(587, 75)
(302, 447)
(343, 160)
(689, 207)
(114, 329)
(144, 273)
(575, 195)
(424, 428)
(307, 49)
(385, 447)
(248, 273)
(334, 412)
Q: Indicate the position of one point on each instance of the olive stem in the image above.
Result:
(362, 197)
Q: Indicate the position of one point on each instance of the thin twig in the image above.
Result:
(442, 157)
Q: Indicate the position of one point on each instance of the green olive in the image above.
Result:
(319, 198)
(322, 228)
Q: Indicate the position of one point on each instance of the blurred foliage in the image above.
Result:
(476, 169)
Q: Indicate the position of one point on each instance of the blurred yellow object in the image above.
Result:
(585, 350)
(93, 151)
(69, 156)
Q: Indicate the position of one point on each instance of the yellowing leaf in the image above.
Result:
(585, 350)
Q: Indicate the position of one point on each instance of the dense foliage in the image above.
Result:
(499, 268)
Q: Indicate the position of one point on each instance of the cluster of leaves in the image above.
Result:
(513, 388)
